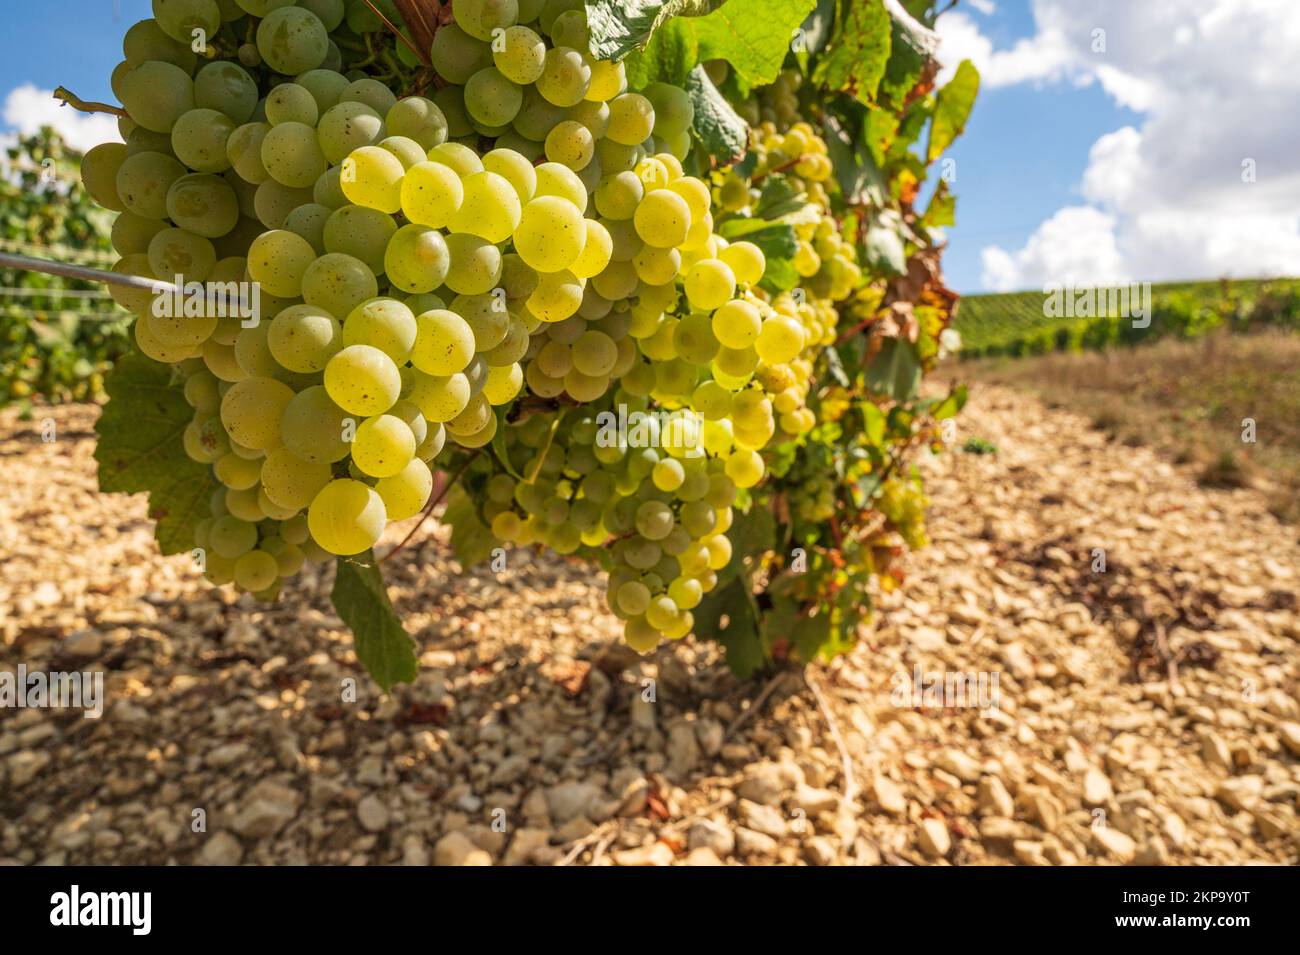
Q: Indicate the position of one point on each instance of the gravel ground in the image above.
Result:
(1148, 713)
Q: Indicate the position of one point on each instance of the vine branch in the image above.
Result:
(433, 502)
(845, 336)
(759, 177)
(66, 97)
(423, 57)
(421, 18)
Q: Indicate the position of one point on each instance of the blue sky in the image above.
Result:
(1023, 154)
(72, 43)
(1077, 165)
(1124, 140)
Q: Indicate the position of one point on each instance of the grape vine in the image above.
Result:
(651, 285)
(57, 338)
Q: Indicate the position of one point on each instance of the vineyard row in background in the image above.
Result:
(1020, 323)
(58, 337)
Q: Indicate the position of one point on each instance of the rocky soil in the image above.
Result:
(1147, 713)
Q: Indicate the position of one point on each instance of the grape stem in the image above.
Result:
(369, 60)
(433, 502)
(546, 448)
(855, 329)
(781, 168)
(393, 64)
(530, 405)
(66, 97)
(421, 18)
(422, 57)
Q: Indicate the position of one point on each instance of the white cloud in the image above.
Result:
(1076, 246)
(1041, 57)
(1114, 166)
(27, 108)
(1212, 245)
(986, 7)
(1132, 92)
(1215, 84)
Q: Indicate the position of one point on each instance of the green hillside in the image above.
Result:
(1021, 323)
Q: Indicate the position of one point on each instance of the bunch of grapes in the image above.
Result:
(776, 104)
(826, 260)
(425, 264)
(654, 517)
(903, 502)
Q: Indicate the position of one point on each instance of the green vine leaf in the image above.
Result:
(855, 60)
(620, 26)
(754, 36)
(382, 644)
(816, 31)
(140, 449)
(501, 448)
(884, 248)
(857, 173)
(906, 67)
(723, 134)
(952, 106)
(777, 198)
(670, 56)
(835, 368)
(879, 128)
(950, 405)
(752, 534)
(895, 371)
(942, 210)
(739, 633)
(806, 634)
(873, 422)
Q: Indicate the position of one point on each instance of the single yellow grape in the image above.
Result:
(346, 517)
(431, 193)
(551, 234)
(372, 177)
(662, 218)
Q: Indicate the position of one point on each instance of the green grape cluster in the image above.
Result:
(524, 236)
(824, 485)
(231, 173)
(815, 500)
(777, 103)
(825, 260)
(653, 514)
(903, 502)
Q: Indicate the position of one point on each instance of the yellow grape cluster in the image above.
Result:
(405, 280)
(421, 262)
